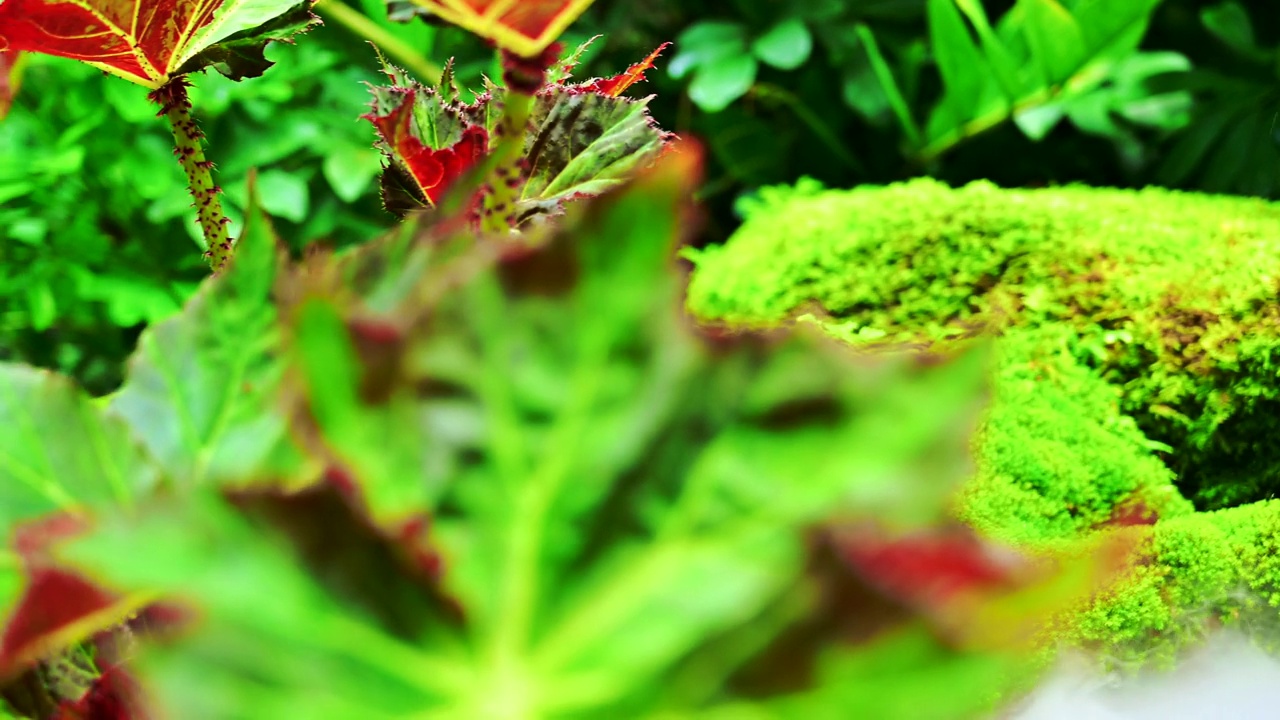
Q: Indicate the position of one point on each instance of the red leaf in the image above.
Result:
(94, 31)
(525, 27)
(57, 608)
(433, 170)
(980, 595)
(143, 41)
(618, 84)
(929, 568)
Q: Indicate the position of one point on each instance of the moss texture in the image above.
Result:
(1140, 353)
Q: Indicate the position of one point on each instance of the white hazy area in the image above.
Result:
(1227, 678)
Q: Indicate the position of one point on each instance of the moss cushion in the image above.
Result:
(1139, 346)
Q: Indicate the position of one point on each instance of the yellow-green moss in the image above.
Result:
(1055, 455)
(1139, 350)
(1171, 296)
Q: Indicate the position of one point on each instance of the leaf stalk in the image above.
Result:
(175, 105)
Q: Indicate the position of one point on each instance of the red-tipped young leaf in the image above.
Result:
(525, 27)
(151, 42)
(618, 84)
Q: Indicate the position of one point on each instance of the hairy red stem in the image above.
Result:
(176, 106)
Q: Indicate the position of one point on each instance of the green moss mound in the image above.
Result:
(1171, 296)
(1139, 360)
(1055, 457)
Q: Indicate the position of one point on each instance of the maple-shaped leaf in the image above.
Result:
(200, 389)
(150, 43)
(525, 27)
(607, 493)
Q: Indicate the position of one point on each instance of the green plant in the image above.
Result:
(94, 240)
(483, 467)
(410, 536)
(722, 58)
(1230, 144)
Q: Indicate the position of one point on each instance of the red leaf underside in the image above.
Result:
(142, 41)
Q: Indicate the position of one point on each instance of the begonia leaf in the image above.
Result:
(605, 508)
(150, 43)
(525, 27)
(200, 393)
(61, 453)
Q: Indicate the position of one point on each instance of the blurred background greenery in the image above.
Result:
(97, 238)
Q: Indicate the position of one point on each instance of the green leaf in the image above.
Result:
(235, 47)
(202, 386)
(42, 305)
(1130, 97)
(705, 43)
(1055, 39)
(1229, 22)
(350, 170)
(284, 194)
(375, 443)
(997, 53)
(959, 60)
(1037, 121)
(785, 46)
(325, 660)
(889, 84)
(59, 452)
(722, 80)
(1040, 53)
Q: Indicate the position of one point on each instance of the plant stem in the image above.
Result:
(354, 21)
(176, 106)
(505, 180)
